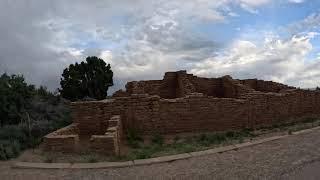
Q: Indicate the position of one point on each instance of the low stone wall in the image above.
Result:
(110, 142)
(63, 140)
(102, 144)
(67, 139)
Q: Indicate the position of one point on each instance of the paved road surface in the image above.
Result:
(295, 157)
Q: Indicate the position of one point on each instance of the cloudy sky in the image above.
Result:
(275, 40)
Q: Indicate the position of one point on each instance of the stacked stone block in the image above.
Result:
(182, 103)
(64, 140)
(238, 106)
(265, 86)
(110, 142)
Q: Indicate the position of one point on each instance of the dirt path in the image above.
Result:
(290, 158)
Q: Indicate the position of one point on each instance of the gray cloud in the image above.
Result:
(23, 44)
(39, 39)
(141, 39)
(274, 59)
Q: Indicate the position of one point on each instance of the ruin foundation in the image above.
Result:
(182, 103)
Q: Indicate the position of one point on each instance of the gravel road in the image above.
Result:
(294, 157)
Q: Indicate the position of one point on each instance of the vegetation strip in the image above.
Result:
(27, 113)
(27, 165)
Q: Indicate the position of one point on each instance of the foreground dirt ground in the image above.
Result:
(295, 157)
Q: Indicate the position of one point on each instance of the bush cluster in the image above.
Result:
(181, 145)
(27, 114)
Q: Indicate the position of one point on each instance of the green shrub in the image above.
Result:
(309, 120)
(33, 142)
(203, 137)
(203, 140)
(92, 159)
(217, 138)
(16, 147)
(29, 134)
(244, 133)
(15, 98)
(41, 128)
(143, 153)
(49, 159)
(14, 132)
(184, 147)
(27, 114)
(176, 139)
(9, 149)
(157, 139)
(3, 155)
(133, 138)
(230, 134)
(9, 152)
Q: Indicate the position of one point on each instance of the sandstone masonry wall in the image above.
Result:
(110, 142)
(198, 112)
(92, 116)
(209, 86)
(151, 87)
(270, 108)
(63, 140)
(265, 86)
(180, 103)
(165, 88)
(179, 84)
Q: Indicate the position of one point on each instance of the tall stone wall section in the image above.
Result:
(151, 87)
(209, 86)
(179, 84)
(198, 112)
(265, 86)
(270, 108)
(91, 117)
(166, 88)
(184, 84)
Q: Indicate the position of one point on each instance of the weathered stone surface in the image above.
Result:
(183, 103)
(65, 139)
(213, 151)
(101, 165)
(32, 165)
(161, 159)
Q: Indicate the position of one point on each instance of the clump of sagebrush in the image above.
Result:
(207, 140)
(157, 139)
(92, 159)
(186, 144)
(27, 114)
(133, 138)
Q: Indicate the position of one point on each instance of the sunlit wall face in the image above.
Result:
(265, 39)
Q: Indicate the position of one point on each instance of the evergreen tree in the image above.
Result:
(15, 98)
(87, 79)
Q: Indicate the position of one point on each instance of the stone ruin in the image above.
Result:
(181, 103)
